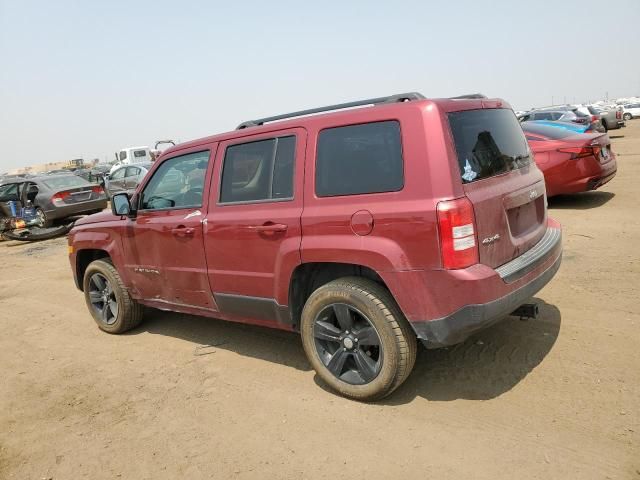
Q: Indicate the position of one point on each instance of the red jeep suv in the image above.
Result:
(365, 229)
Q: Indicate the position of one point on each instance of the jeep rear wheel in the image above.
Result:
(627, 116)
(108, 300)
(357, 339)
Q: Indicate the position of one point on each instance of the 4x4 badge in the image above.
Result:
(489, 240)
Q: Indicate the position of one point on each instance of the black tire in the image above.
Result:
(627, 116)
(604, 125)
(36, 234)
(128, 313)
(367, 303)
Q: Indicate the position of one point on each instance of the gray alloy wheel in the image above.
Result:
(103, 299)
(348, 344)
(357, 339)
(627, 116)
(42, 218)
(108, 299)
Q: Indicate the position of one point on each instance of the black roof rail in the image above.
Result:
(401, 97)
(468, 96)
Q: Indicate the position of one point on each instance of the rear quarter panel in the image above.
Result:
(404, 234)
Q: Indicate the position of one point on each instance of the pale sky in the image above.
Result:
(86, 78)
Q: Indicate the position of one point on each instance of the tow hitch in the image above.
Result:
(526, 311)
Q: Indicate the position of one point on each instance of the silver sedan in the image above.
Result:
(126, 178)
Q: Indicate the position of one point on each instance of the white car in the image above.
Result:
(631, 110)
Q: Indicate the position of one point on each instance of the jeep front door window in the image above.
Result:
(178, 183)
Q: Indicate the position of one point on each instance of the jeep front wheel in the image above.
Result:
(357, 339)
(108, 300)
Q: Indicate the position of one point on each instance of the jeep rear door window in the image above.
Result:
(488, 142)
(177, 183)
(359, 159)
(259, 171)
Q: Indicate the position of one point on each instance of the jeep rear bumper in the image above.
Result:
(444, 307)
(455, 328)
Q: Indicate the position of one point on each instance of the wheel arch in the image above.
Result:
(84, 258)
(307, 277)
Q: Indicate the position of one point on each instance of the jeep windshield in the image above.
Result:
(488, 142)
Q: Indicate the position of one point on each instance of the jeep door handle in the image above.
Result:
(269, 228)
(183, 231)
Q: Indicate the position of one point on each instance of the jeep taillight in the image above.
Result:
(457, 233)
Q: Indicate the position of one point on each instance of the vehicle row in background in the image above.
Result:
(589, 122)
(593, 117)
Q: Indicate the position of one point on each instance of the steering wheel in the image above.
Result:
(149, 202)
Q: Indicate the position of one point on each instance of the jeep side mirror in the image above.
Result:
(120, 204)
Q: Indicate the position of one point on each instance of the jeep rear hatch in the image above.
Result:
(502, 182)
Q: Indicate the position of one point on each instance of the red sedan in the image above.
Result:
(571, 162)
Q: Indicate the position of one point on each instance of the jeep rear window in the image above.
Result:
(359, 159)
(488, 142)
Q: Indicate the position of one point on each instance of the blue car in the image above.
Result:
(572, 127)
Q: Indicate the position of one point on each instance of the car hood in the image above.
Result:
(105, 216)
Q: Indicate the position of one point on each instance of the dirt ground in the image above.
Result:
(188, 397)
